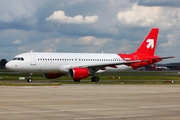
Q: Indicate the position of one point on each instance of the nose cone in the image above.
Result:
(9, 65)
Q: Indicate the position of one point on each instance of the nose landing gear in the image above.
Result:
(30, 78)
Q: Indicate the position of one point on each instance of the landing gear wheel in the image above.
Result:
(95, 79)
(29, 80)
(76, 80)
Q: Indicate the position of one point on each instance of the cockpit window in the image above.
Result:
(14, 58)
(19, 58)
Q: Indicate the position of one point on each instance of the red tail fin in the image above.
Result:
(148, 45)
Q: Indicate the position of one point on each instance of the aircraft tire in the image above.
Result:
(95, 79)
(29, 80)
(77, 80)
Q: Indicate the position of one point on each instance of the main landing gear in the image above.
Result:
(95, 79)
(77, 80)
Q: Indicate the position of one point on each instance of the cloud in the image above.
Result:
(60, 17)
(145, 16)
(86, 25)
(17, 42)
(65, 44)
(126, 46)
(169, 3)
(47, 45)
(91, 40)
(50, 45)
(20, 11)
(173, 39)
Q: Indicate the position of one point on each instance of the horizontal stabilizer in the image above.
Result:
(160, 58)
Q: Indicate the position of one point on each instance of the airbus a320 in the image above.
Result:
(82, 65)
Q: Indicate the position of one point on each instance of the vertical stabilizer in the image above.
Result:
(148, 45)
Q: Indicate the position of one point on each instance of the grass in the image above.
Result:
(133, 77)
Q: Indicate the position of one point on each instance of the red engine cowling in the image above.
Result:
(78, 73)
(52, 75)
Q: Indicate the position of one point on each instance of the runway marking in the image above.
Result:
(109, 117)
(93, 109)
(27, 87)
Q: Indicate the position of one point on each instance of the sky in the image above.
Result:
(88, 26)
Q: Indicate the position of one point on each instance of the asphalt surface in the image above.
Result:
(90, 102)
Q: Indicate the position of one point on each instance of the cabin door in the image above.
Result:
(33, 59)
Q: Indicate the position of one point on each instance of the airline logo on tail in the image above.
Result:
(150, 43)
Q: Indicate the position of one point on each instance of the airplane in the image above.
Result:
(82, 65)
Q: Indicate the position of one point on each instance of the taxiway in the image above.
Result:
(90, 102)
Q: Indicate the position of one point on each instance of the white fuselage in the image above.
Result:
(61, 62)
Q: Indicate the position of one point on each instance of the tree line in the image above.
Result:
(3, 62)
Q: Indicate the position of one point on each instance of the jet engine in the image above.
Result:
(78, 73)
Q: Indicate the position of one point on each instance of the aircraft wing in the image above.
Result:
(101, 65)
